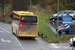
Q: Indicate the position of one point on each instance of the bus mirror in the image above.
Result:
(11, 16)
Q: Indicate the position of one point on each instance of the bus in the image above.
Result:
(24, 24)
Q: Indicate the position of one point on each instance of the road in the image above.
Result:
(61, 46)
(8, 41)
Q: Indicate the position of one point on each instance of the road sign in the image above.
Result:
(66, 20)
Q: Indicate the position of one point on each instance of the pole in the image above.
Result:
(71, 32)
(72, 37)
(30, 5)
(72, 41)
(57, 17)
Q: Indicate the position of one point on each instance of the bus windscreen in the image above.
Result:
(32, 19)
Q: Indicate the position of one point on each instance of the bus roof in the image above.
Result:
(23, 13)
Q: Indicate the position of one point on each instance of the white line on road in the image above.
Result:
(12, 35)
(59, 47)
(5, 40)
(67, 47)
(4, 29)
(54, 45)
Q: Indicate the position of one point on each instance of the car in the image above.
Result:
(64, 30)
(60, 15)
(61, 27)
(73, 14)
(70, 12)
(72, 42)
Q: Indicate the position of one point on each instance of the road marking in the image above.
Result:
(59, 47)
(67, 47)
(4, 29)
(5, 40)
(54, 45)
(13, 36)
(1, 31)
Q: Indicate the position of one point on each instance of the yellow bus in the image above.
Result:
(24, 24)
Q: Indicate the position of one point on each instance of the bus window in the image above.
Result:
(32, 19)
(16, 21)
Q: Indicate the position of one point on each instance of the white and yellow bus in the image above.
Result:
(24, 24)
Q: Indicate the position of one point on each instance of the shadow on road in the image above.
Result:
(26, 38)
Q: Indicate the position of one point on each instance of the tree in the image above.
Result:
(2, 6)
(20, 5)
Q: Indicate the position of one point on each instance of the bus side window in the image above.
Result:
(11, 16)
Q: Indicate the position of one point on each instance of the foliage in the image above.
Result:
(2, 5)
(20, 4)
(63, 4)
(25, 4)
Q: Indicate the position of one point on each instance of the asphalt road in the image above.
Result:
(61, 46)
(8, 41)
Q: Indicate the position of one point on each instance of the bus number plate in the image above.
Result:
(28, 32)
